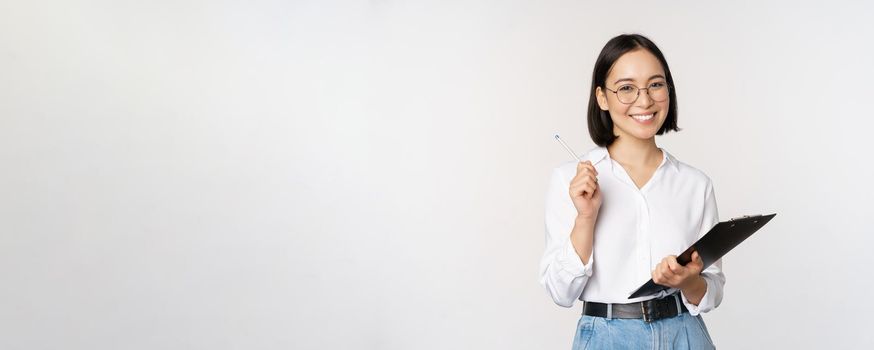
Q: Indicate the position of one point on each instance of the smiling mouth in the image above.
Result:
(643, 117)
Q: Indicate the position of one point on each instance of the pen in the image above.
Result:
(557, 138)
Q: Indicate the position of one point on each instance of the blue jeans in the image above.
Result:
(683, 331)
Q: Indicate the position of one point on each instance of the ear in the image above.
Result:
(602, 99)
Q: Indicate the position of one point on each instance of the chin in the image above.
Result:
(642, 136)
(645, 135)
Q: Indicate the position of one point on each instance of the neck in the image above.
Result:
(635, 152)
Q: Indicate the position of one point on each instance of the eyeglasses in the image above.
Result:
(629, 93)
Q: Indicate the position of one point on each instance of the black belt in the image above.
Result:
(649, 310)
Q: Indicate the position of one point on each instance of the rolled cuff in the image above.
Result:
(571, 263)
(706, 304)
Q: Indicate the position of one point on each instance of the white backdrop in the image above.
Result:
(314, 175)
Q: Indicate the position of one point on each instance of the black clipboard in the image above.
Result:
(722, 238)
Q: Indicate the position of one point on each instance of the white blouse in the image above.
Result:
(635, 230)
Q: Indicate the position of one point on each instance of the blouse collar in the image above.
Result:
(600, 153)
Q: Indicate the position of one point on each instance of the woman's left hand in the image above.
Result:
(670, 273)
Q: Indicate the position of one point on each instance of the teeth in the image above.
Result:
(642, 117)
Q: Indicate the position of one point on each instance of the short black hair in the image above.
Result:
(600, 124)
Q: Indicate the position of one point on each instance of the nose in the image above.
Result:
(643, 98)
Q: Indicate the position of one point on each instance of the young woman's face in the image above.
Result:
(641, 69)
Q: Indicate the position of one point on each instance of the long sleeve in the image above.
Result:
(562, 272)
(712, 275)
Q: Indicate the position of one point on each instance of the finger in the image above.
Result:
(697, 264)
(591, 168)
(588, 190)
(590, 184)
(665, 260)
(581, 168)
(656, 276)
(667, 273)
(696, 260)
(580, 179)
(660, 270)
(661, 277)
(674, 266)
(583, 174)
(586, 167)
(579, 191)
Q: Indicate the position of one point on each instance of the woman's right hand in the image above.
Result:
(585, 192)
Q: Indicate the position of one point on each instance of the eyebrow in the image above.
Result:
(632, 80)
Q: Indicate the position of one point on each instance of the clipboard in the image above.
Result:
(722, 238)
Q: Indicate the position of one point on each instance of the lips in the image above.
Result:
(643, 117)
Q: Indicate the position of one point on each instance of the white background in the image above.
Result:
(371, 175)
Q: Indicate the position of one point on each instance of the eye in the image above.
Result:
(626, 88)
(658, 85)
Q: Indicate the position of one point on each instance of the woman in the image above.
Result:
(615, 220)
